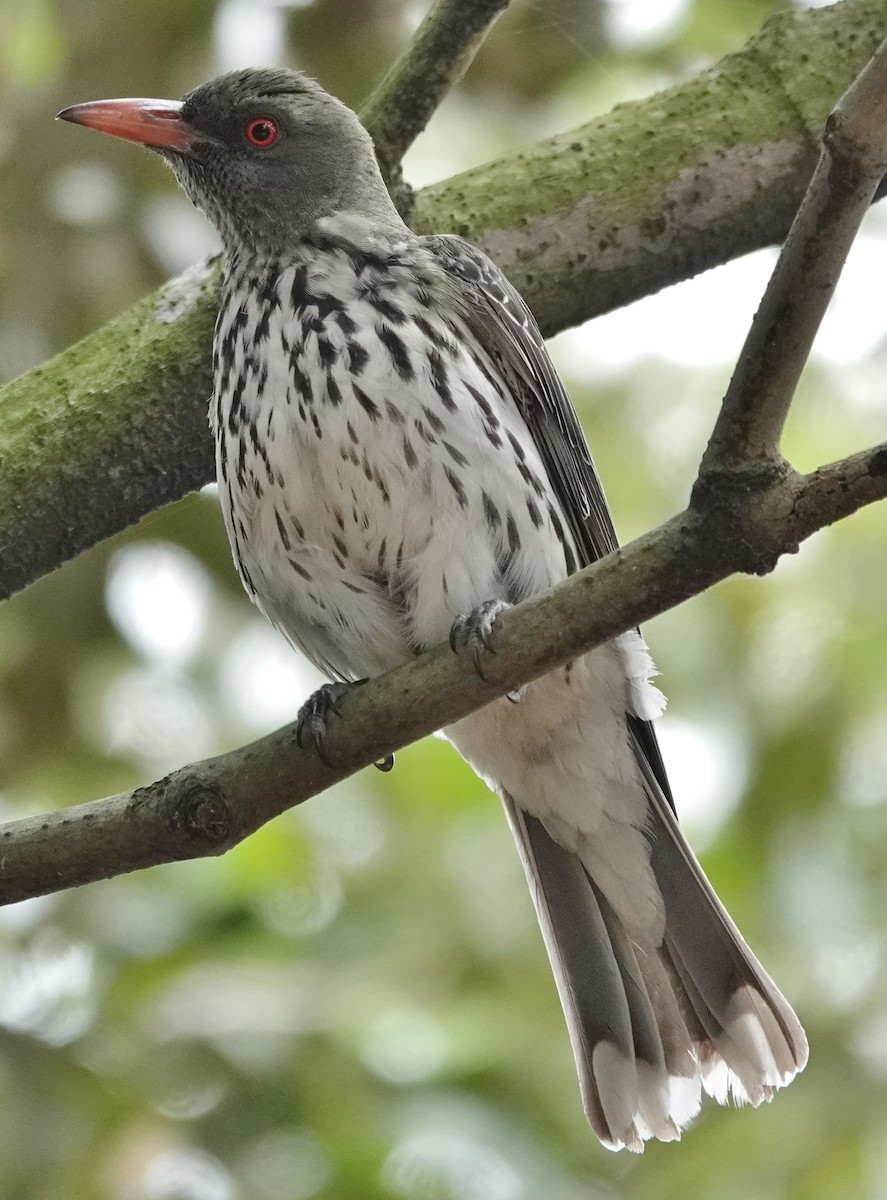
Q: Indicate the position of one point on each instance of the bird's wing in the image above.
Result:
(511, 336)
(509, 333)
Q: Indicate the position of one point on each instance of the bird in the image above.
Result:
(397, 463)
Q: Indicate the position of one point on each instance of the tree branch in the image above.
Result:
(108, 431)
(208, 807)
(437, 58)
(115, 426)
(659, 190)
(851, 165)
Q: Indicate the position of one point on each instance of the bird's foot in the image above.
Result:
(473, 632)
(312, 723)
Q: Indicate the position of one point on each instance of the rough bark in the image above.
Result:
(661, 189)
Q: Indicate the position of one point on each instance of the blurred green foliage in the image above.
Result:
(356, 1002)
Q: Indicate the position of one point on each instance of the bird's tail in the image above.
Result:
(651, 1026)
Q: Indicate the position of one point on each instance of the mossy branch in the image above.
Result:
(652, 193)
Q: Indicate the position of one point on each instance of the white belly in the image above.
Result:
(375, 511)
(563, 754)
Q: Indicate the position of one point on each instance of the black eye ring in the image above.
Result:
(260, 132)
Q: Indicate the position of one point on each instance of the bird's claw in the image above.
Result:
(473, 631)
(312, 723)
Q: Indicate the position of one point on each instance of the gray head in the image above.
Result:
(263, 152)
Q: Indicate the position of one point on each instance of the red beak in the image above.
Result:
(155, 123)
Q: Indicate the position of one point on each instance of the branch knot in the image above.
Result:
(736, 508)
(202, 814)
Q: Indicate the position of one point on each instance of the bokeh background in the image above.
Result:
(356, 1002)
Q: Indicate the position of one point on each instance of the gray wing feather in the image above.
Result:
(509, 333)
(513, 339)
(718, 972)
(586, 971)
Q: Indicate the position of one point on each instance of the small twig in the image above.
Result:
(852, 163)
(840, 489)
(208, 807)
(437, 57)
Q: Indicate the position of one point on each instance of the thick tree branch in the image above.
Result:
(438, 56)
(108, 431)
(661, 189)
(208, 807)
(654, 192)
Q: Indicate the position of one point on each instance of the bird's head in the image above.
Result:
(263, 152)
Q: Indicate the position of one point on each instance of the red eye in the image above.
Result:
(260, 132)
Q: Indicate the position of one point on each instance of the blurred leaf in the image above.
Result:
(34, 50)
